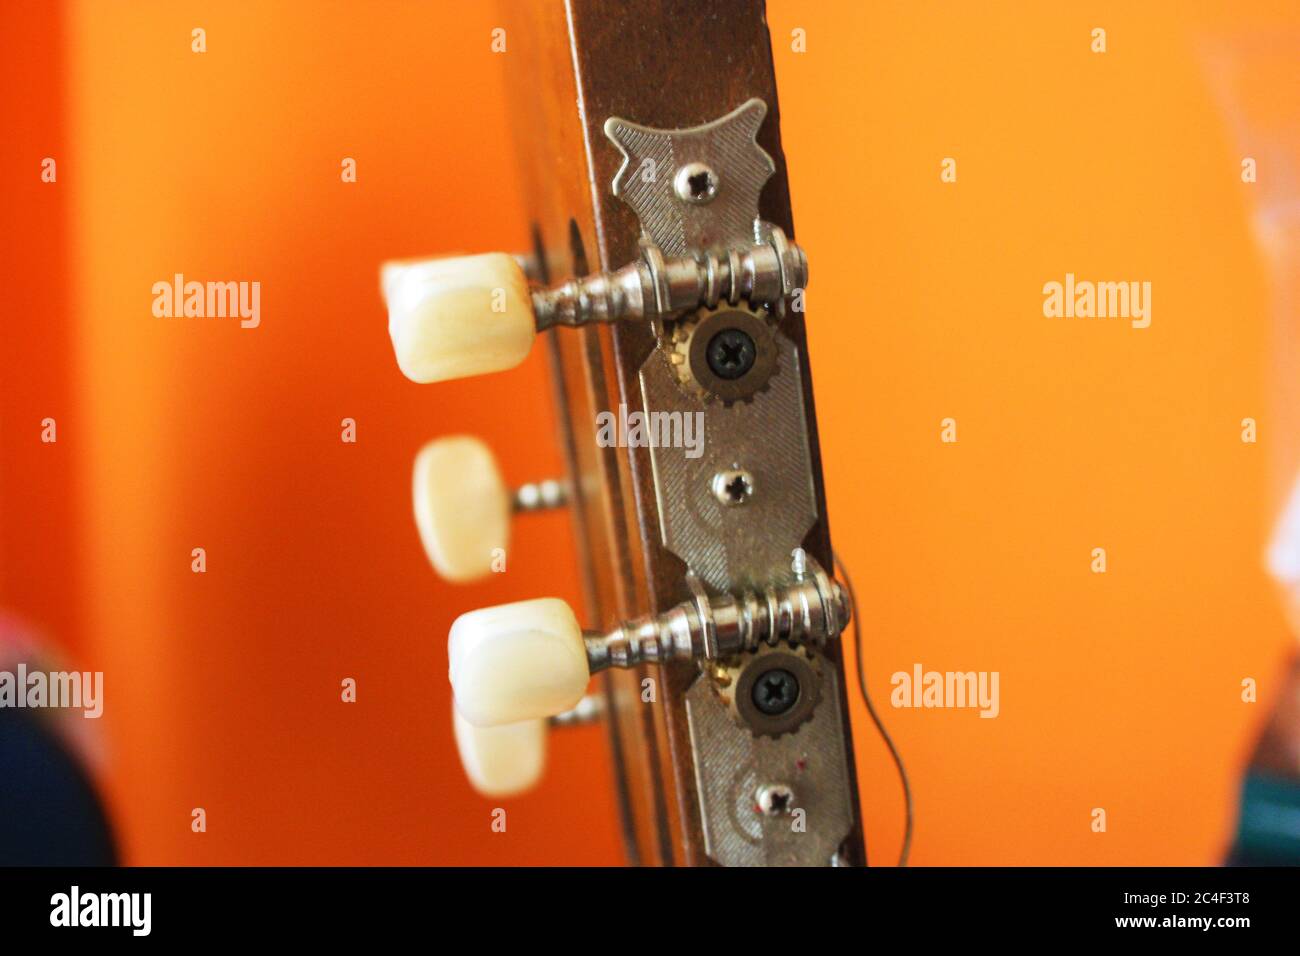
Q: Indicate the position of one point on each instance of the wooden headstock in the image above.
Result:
(667, 285)
(574, 66)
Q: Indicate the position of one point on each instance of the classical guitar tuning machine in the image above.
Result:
(470, 315)
(531, 659)
(519, 669)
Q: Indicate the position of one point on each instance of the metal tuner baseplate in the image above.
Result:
(726, 290)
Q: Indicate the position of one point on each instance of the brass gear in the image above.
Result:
(735, 683)
(689, 353)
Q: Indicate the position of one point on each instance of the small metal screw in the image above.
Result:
(774, 799)
(695, 183)
(775, 692)
(731, 354)
(733, 486)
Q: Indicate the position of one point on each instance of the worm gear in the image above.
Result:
(728, 353)
(772, 690)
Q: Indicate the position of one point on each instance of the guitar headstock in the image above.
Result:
(668, 287)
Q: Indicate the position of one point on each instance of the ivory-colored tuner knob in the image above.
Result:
(516, 662)
(462, 506)
(507, 760)
(458, 316)
(501, 761)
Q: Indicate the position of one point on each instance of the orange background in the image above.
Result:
(1119, 691)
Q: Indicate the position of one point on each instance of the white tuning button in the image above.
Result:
(516, 662)
(462, 506)
(508, 759)
(501, 761)
(460, 316)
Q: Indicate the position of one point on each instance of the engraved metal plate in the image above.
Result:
(748, 545)
(653, 156)
(745, 546)
(731, 763)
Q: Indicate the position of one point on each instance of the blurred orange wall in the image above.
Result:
(39, 570)
(1118, 691)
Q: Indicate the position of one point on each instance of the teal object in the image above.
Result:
(1268, 825)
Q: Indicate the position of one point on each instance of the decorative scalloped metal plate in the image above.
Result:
(651, 157)
(735, 547)
(731, 764)
(746, 546)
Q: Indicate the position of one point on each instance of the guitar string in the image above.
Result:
(875, 717)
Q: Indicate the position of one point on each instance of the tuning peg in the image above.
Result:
(508, 759)
(530, 660)
(514, 662)
(454, 317)
(462, 505)
(468, 315)
(501, 761)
